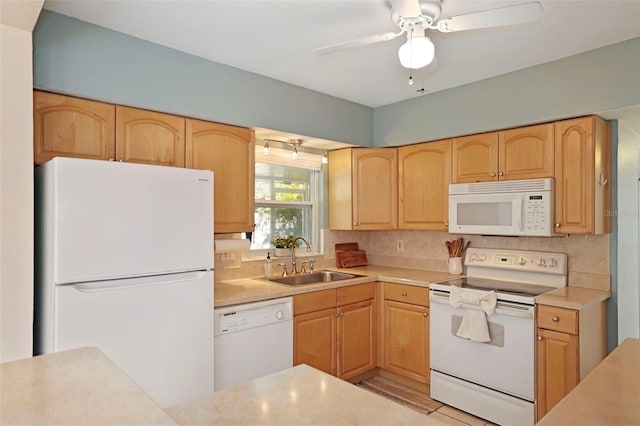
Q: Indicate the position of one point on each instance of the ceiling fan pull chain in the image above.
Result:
(421, 89)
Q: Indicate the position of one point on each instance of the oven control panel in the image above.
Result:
(531, 261)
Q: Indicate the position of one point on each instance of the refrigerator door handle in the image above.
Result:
(124, 283)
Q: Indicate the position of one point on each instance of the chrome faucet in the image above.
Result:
(294, 269)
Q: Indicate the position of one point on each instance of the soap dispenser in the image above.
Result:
(268, 266)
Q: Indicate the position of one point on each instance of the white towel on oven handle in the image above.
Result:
(474, 322)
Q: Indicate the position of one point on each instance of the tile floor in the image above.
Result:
(423, 403)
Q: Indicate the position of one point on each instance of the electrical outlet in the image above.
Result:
(399, 245)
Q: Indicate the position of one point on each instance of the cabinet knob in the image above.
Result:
(404, 293)
(336, 315)
(492, 174)
(555, 319)
(121, 160)
(111, 159)
(557, 225)
(500, 174)
(539, 338)
(425, 314)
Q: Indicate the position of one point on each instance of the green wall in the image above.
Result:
(81, 59)
(597, 80)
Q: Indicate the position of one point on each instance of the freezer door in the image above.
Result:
(158, 330)
(105, 220)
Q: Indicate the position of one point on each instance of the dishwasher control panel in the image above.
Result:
(237, 318)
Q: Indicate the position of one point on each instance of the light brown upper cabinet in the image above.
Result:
(521, 153)
(149, 137)
(72, 127)
(424, 174)
(363, 188)
(583, 173)
(228, 151)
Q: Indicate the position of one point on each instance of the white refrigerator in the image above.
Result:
(124, 262)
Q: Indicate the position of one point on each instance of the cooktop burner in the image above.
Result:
(515, 275)
(501, 286)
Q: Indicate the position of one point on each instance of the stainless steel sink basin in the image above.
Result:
(314, 278)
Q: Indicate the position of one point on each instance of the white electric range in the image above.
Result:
(494, 380)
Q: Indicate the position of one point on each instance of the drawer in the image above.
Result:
(558, 319)
(355, 293)
(315, 301)
(407, 293)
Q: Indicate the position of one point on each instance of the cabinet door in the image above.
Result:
(228, 151)
(526, 153)
(475, 158)
(406, 340)
(149, 137)
(375, 188)
(72, 127)
(582, 170)
(314, 340)
(557, 367)
(424, 174)
(356, 345)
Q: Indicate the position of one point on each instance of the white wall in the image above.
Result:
(16, 178)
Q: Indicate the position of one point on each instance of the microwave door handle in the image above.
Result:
(520, 217)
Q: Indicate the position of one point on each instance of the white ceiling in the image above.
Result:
(276, 38)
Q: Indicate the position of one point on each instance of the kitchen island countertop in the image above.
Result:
(609, 395)
(295, 396)
(75, 387)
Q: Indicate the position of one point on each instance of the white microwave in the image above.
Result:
(513, 207)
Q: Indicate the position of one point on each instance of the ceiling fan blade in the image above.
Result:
(510, 15)
(359, 42)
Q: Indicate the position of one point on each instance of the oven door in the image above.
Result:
(487, 214)
(505, 364)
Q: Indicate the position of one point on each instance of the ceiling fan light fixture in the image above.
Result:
(417, 52)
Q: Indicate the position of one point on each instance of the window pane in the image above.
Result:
(277, 220)
(282, 183)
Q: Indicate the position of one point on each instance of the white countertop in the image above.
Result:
(247, 290)
(76, 387)
(609, 395)
(296, 396)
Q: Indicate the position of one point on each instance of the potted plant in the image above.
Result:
(283, 244)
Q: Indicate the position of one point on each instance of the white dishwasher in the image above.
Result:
(252, 340)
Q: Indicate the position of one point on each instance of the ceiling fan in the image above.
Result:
(415, 17)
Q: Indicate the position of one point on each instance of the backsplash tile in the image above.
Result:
(588, 254)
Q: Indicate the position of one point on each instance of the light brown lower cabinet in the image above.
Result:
(557, 367)
(570, 343)
(334, 330)
(406, 331)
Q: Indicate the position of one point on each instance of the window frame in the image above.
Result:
(314, 202)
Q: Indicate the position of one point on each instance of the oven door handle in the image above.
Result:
(502, 308)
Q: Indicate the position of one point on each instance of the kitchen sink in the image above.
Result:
(314, 278)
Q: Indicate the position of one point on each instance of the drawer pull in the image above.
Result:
(555, 319)
(404, 293)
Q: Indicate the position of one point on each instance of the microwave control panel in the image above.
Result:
(538, 207)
